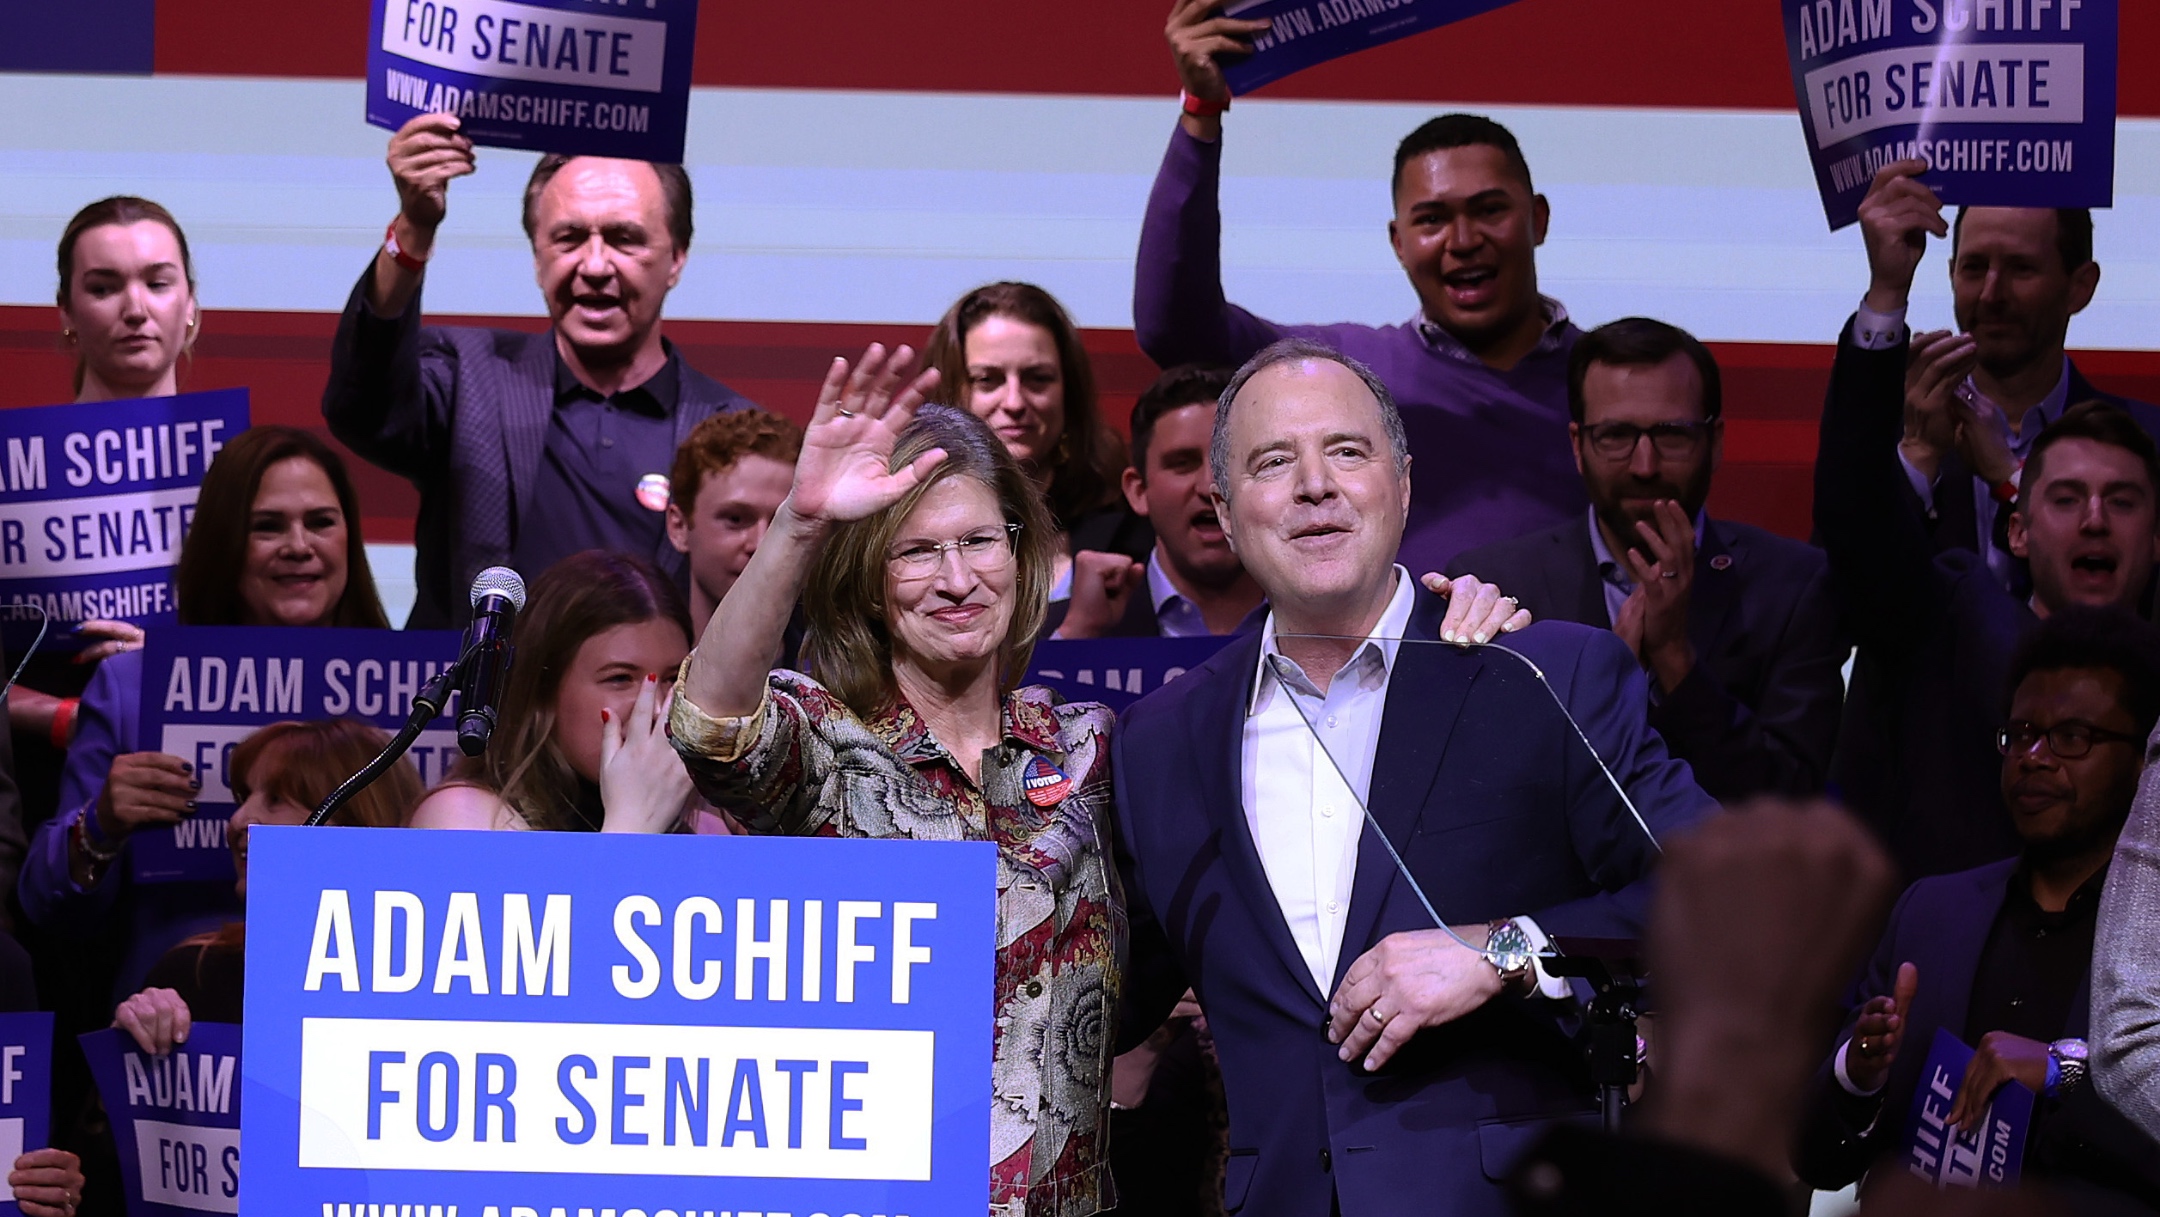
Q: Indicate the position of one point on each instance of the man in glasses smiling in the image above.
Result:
(1735, 625)
(2001, 955)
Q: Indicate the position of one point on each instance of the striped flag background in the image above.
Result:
(859, 164)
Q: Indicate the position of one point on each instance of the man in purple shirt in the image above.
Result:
(1480, 370)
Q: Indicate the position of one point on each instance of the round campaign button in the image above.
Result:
(652, 492)
(1046, 785)
(1721, 562)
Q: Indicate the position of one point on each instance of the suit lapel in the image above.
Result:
(1217, 724)
(1426, 690)
(527, 403)
(1716, 587)
(1962, 944)
(1574, 584)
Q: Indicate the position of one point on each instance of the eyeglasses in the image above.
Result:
(1616, 441)
(983, 551)
(2068, 740)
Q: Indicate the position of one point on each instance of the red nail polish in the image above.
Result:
(604, 716)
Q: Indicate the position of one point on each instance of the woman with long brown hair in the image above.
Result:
(280, 774)
(275, 540)
(581, 746)
(1009, 354)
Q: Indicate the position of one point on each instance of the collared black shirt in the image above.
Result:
(597, 448)
(2034, 963)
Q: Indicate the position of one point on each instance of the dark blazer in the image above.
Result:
(1941, 926)
(1759, 713)
(463, 414)
(1916, 751)
(1497, 808)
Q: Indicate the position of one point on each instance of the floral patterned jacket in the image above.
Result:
(805, 764)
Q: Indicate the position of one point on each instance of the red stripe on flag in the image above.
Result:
(1773, 391)
(1725, 54)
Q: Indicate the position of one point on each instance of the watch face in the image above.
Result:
(1508, 948)
(2069, 1050)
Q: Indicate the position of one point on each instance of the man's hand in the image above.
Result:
(1664, 581)
(1938, 362)
(142, 789)
(1198, 33)
(424, 155)
(158, 1019)
(1983, 436)
(1760, 917)
(1879, 1031)
(1102, 586)
(2001, 1057)
(1408, 982)
(1476, 611)
(1895, 219)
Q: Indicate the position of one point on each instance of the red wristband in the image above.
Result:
(397, 252)
(63, 722)
(1201, 108)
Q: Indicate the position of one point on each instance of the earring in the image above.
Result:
(67, 335)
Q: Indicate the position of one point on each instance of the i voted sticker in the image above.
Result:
(1045, 784)
(652, 492)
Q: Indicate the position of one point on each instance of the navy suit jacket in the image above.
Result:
(1941, 926)
(1759, 712)
(1916, 752)
(463, 414)
(1497, 809)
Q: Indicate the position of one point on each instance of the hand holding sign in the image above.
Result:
(157, 1018)
(117, 636)
(1895, 219)
(47, 1183)
(144, 788)
(845, 470)
(425, 155)
(2001, 1057)
(1879, 1031)
(1198, 33)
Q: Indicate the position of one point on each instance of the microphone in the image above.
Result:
(497, 595)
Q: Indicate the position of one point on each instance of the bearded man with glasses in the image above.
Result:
(1734, 625)
(2001, 955)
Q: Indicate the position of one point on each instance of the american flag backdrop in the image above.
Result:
(860, 164)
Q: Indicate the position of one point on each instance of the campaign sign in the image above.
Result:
(1988, 1156)
(25, 1093)
(2011, 102)
(1307, 32)
(510, 1023)
(207, 687)
(175, 1119)
(94, 501)
(1117, 671)
(582, 77)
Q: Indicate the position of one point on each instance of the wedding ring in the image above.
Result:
(844, 412)
(1670, 574)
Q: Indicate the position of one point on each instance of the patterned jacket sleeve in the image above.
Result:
(2126, 966)
(767, 769)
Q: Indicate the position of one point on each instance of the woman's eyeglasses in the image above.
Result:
(983, 550)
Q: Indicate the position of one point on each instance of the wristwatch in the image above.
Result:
(2069, 1058)
(1507, 949)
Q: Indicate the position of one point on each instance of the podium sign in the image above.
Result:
(513, 1021)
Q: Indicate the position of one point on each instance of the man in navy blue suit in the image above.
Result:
(2000, 956)
(1373, 1063)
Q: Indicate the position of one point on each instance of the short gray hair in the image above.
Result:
(1300, 350)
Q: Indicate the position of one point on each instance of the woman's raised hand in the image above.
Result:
(845, 471)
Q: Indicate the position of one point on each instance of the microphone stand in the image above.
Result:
(427, 705)
(1614, 970)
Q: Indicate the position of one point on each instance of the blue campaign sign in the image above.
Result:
(582, 77)
(1307, 32)
(175, 1119)
(94, 501)
(1117, 671)
(207, 687)
(25, 1093)
(1988, 1156)
(2011, 102)
(515, 1022)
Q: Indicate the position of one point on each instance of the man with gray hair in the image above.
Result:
(1376, 1062)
